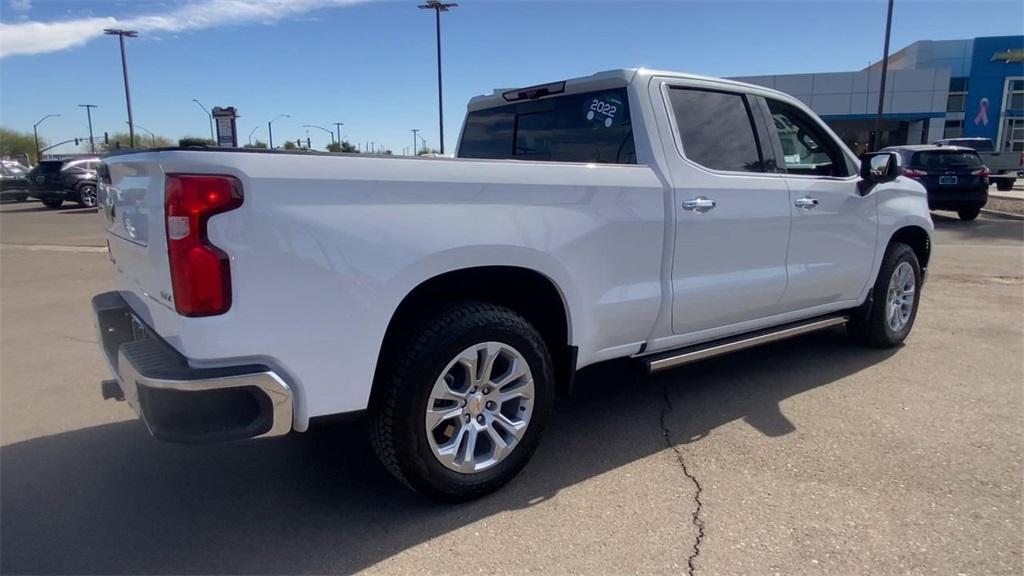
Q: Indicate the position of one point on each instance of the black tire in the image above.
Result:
(21, 198)
(1004, 184)
(406, 374)
(87, 195)
(968, 214)
(869, 323)
(52, 203)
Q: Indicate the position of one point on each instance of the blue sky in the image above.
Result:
(372, 64)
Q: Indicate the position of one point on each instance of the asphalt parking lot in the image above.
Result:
(811, 456)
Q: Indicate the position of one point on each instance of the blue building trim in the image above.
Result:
(990, 67)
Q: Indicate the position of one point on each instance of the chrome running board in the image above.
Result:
(680, 356)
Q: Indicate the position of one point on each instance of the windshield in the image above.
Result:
(15, 169)
(940, 159)
(49, 166)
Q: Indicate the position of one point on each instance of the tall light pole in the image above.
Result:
(270, 129)
(36, 132)
(251, 133)
(151, 135)
(88, 114)
(415, 132)
(210, 116)
(437, 6)
(877, 140)
(338, 125)
(319, 128)
(121, 34)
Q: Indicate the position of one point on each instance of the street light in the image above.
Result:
(210, 116)
(319, 128)
(251, 133)
(415, 132)
(36, 132)
(88, 114)
(151, 135)
(876, 142)
(270, 128)
(121, 34)
(437, 6)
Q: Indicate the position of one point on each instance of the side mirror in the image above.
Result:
(877, 167)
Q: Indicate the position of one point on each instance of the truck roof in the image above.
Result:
(616, 78)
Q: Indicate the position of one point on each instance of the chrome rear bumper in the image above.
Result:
(179, 403)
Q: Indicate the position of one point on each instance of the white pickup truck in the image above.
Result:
(631, 213)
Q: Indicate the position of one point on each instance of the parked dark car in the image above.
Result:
(74, 179)
(955, 177)
(13, 181)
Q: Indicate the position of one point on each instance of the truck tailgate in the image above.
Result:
(131, 205)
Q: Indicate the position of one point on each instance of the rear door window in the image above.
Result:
(945, 159)
(585, 127)
(717, 129)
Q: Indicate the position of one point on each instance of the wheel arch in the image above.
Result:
(918, 239)
(526, 291)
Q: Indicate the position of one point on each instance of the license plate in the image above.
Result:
(947, 179)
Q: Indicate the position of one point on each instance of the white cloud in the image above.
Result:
(33, 37)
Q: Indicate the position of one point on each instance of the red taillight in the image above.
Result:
(911, 173)
(200, 272)
(982, 172)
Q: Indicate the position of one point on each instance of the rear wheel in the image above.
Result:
(52, 202)
(1004, 184)
(461, 400)
(21, 198)
(969, 213)
(87, 195)
(886, 320)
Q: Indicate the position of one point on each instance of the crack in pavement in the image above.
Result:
(698, 522)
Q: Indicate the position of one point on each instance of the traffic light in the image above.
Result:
(106, 138)
(76, 141)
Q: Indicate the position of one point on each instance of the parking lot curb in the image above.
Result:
(1003, 214)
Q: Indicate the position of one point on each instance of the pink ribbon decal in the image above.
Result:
(982, 117)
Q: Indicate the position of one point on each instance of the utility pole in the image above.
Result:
(437, 6)
(88, 114)
(210, 116)
(338, 125)
(36, 133)
(121, 34)
(415, 132)
(270, 129)
(877, 140)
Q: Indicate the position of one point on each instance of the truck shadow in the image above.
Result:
(109, 499)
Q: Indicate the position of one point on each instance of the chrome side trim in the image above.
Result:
(268, 382)
(693, 354)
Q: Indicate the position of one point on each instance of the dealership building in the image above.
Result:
(933, 90)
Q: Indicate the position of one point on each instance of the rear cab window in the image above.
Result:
(717, 129)
(585, 127)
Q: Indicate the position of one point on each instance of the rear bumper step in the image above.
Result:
(179, 403)
(690, 354)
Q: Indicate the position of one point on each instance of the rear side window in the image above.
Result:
(586, 127)
(716, 129)
(944, 159)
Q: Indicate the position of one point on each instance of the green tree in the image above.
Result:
(257, 144)
(14, 143)
(289, 145)
(345, 146)
(189, 141)
(121, 140)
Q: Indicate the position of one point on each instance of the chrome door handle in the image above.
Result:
(699, 204)
(806, 203)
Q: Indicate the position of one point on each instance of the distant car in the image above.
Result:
(955, 177)
(13, 181)
(74, 179)
(1003, 166)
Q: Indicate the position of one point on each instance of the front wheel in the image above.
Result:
(52, 203)
(461, 399)
(968, 214)
(886, 320)
(87, 196)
